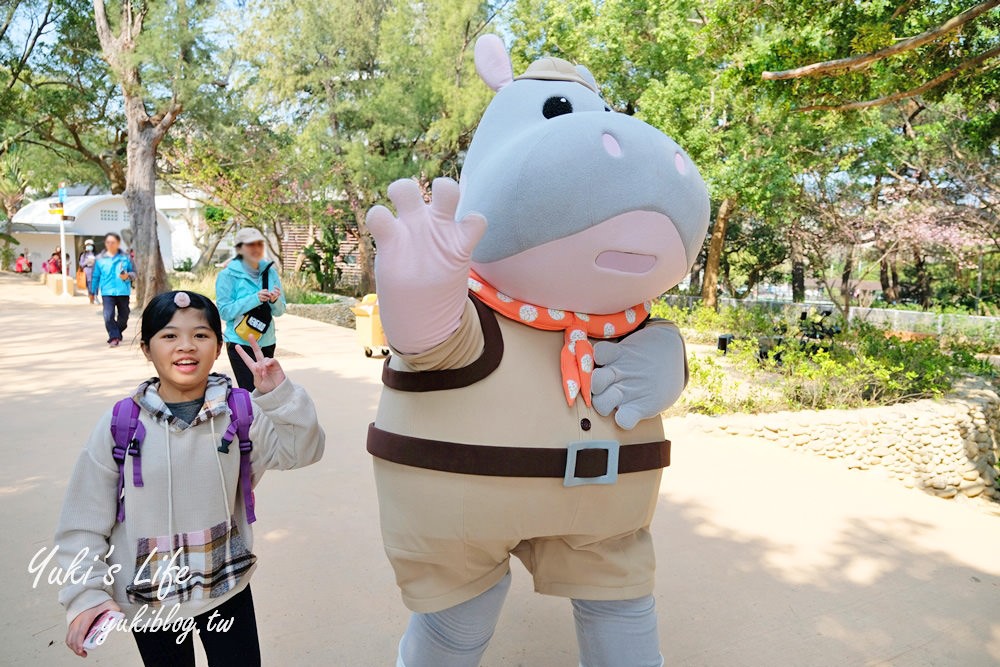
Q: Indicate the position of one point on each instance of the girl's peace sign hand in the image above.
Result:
(267, 373)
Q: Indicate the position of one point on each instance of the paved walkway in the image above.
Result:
(766, 557)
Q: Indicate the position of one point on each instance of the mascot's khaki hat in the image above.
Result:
(557, 69)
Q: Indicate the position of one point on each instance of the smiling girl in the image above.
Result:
(180, 546)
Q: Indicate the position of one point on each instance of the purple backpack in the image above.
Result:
(128, 433)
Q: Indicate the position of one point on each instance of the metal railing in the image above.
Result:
(939, 324)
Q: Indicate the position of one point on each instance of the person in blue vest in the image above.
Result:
(112, 278)
(239, 289)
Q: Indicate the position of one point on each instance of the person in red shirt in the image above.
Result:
(54, 263)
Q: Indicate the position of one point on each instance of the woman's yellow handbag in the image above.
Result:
(256, 321)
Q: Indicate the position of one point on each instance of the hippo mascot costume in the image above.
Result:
(520, 413)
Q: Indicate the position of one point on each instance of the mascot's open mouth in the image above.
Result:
(626, 262)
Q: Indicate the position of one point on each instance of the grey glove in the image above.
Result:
(641, 376)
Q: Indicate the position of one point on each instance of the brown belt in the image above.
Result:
(591, 465)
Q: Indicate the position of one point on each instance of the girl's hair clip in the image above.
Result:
(182, 299)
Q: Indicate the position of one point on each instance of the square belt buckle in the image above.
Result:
(610, 475)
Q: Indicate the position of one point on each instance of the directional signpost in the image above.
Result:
(62, 238)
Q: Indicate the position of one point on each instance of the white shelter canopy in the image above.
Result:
(94, 216)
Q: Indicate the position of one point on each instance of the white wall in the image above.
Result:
(38, 248)
(164, 234)
(182, 243)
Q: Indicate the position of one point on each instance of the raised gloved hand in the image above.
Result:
(641, 376)
(422, 264)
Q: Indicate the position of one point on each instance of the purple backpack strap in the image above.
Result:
(128, 433)
(241, 417)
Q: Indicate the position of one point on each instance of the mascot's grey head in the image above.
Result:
(589, 210)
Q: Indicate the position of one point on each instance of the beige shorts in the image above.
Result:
(449, 537)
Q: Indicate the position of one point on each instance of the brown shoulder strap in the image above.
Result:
(454, 378)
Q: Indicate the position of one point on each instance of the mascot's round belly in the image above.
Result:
(519, 404)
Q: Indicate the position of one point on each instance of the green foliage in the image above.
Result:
(216, 215)
(286, 110)
(862, 367)
(301, 288)
(314, 298)
(185, 265)
(694, 70)
(706, 383)
(734, 383)
(8, 252)
(14, 183)
(386, 91)
(321, 256)
(705, 325)
(868, 368)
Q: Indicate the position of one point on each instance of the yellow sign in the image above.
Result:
(55, 208)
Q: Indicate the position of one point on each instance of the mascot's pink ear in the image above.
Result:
(493, 63)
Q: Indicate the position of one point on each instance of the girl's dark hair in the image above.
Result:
(117, 237)
(161, 310)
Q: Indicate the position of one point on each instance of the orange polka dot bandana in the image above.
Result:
(577, 356)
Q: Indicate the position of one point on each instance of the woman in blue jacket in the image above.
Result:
(239, 288)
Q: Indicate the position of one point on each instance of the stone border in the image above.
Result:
(339, 313)
(945, 447)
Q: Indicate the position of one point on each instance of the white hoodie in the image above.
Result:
(188, 486)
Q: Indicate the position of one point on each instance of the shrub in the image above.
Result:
(704, 325)
(184, 265)
(705, 386)
(733, 383)
(301, 288)
(867, 367)
(321, 258)
(864, 366)
(314, 298)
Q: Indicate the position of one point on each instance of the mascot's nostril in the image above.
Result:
(611, 145)
(680, 164)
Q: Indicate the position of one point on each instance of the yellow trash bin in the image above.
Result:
(368, 324)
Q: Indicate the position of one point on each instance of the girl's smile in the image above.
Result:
(187, 365)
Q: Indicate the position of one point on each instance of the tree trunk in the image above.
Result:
(144, 136)
(845, 281)
(694, 278)
(886, 277)
(923, 280)
(366, 255)
(116, 177)
(140, 197)
(209, 250)
(798, 271)
(358, 204)
(883, 279)
(710, 283)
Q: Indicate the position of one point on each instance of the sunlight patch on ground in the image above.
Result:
(21, 486)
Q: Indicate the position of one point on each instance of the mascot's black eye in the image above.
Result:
(556, 106)
(607, 108)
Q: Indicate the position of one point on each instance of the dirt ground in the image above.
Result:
(765, 557)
